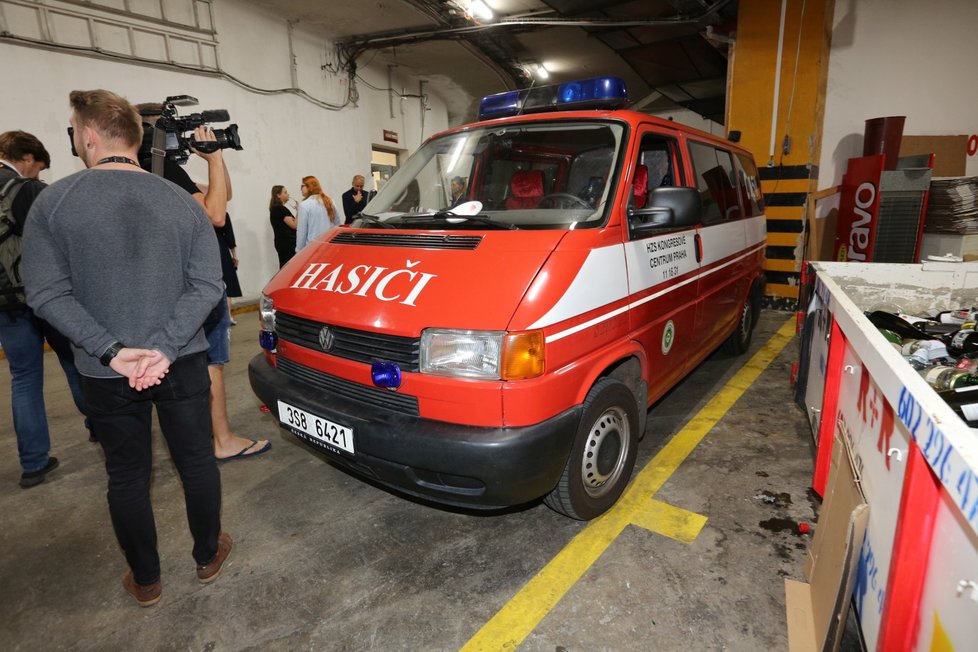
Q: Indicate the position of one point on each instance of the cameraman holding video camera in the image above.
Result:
(217, 327)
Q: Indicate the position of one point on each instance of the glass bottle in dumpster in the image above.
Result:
(959, 316)
(964, 401)
(963, 342)
(892, 322)
(927, 325)
(891, 337)
(942, 377)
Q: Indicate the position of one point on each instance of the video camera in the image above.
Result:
(177, 143)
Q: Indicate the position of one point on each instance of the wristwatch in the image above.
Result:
(111, 353)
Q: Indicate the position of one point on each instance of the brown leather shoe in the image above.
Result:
(146, 594)
(207, 573)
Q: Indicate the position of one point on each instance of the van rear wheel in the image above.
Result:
(603, 454)
(739, 340)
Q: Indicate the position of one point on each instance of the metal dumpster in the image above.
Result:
(917, 461)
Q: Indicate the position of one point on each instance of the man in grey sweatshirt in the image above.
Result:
(125, 265)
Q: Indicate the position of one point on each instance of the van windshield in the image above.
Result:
(539, 175)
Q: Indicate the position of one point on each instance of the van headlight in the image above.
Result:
(494, 355)
(266, 313)
(267, 337)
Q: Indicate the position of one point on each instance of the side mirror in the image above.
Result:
(668, 207)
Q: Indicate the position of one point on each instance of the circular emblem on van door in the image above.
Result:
(668, 336)
(326, 338)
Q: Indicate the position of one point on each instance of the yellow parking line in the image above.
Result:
(670, 521)
(511, 624)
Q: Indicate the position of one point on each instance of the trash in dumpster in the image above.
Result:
(943, 348)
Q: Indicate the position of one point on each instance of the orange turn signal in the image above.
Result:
(523, 355)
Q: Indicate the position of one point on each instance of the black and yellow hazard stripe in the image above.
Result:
(785, 191)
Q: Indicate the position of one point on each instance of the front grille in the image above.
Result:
(414, 241)
(347, 389)
(361, 346)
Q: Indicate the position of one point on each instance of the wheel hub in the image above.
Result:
(605, 451)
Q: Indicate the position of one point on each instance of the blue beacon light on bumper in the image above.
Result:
(385, 374)
(595, 93)
(267, 340)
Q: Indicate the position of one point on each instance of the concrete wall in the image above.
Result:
(284, 136)
(899, 57)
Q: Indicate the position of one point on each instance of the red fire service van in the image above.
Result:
(502, 345)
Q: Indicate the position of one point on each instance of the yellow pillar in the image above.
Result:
(775, 98)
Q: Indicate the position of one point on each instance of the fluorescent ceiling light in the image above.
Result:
(480, 9)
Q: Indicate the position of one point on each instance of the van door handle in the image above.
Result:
(698, 244)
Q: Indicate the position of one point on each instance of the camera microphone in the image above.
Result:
(215, 115)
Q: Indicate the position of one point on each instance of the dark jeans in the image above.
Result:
(123, 419)
(22, 336)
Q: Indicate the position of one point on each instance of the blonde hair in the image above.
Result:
(313, 188)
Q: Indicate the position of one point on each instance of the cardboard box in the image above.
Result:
(950, 152)
(817, 609)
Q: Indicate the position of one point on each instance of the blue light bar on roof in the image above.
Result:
(599, 92)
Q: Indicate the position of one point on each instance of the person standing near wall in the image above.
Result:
(283, 224)
(354, 199)
(316, 213)
(22, 333)
(125, 265)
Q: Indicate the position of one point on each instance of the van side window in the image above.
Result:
(657, 155)
(749, 186)
(717, 182)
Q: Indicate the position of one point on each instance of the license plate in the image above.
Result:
(322, 430)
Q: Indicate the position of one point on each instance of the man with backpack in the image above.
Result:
(22, 334)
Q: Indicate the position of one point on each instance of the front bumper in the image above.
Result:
(469, 466)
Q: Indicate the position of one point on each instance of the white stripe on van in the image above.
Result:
(600, 280)
(650, 262)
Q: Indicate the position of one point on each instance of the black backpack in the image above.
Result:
(12, 295)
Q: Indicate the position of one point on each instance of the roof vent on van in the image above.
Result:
(410, 240)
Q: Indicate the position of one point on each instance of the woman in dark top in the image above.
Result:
(283, 224)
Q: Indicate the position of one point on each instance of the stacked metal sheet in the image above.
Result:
(953, 205)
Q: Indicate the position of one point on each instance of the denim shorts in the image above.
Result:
(218, 334)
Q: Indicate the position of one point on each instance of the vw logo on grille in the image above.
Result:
(326, 338)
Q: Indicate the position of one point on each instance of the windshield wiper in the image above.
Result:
(449, 216)
(373, 220)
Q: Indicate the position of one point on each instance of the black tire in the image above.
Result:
(739, 340)
(603, 454)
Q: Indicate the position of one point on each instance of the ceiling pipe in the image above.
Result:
(371, 41)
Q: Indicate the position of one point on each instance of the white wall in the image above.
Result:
(284, 136)
(691, 119)
(899, 57)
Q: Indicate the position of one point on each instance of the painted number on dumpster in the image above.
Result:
(954, 473)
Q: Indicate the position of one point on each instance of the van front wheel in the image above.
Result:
(603, 454)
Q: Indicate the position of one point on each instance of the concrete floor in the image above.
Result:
(324, 561)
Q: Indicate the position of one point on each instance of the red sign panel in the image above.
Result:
(390, 136)
(859, 204)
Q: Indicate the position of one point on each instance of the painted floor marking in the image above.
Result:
(673, 522)
(518, 617)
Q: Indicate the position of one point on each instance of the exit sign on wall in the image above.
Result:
(390, 136)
